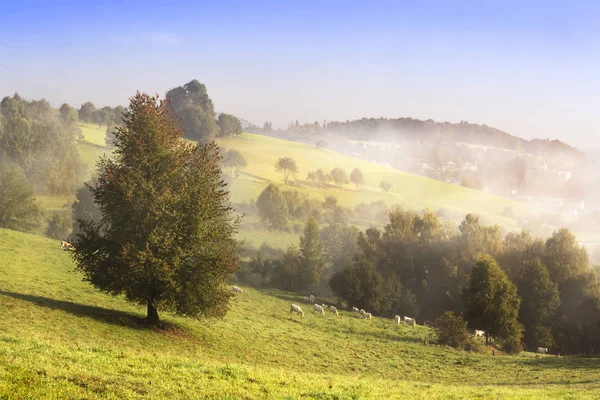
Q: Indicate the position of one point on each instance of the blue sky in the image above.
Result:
(530, 68)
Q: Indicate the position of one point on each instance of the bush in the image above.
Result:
(451, 330)
(59, 225)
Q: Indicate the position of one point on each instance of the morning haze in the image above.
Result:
(299, 200)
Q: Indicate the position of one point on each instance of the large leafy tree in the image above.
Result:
(357, 177)
(235, 161)
(287, 166)
(272, 207)
(229, 125)
(166, 234)
(339, 177)
(87, 112)
(18, 208)
(311, 249)
(491, 301)
(195, 110)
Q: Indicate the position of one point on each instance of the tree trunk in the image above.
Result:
(152, 317)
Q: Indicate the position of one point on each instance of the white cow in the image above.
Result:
(542, 350)
(367, 315)
(409, 321)
(311, 299)
(397, 319)
(479, 333)
(354, 309)
(236, 289)
(305, 299)
(324, 305)
(333, 310)
(296, 309)
(362, 312)
(318, 309)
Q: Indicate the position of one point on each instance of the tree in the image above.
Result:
(229, 125)
(491, 302)
(195, 110)
(59, 225)
(338, 176)
(18, 209)
(235, 161)
(166, 233)
(322, 144)
(84, 208)
(451, 330)
(356, 177)
(67, 114)
(105, 116)
(287, 166)
(385, 186)
(321, 176)
(311, 250)
(87, 112)
(272, 207)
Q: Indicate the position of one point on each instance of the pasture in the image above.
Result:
(61, 338)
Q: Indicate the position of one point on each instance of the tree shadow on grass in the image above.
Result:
(110, 316)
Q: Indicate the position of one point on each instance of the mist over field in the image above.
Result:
(328, 200)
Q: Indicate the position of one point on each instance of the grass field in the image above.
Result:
(60, 338)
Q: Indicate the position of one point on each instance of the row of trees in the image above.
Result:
(519, 289)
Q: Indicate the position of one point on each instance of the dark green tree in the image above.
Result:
(451, 330)
(84, 208)
(235, 161)
(195, 110)
(272, 207)
(311, 250)
(357, 177)
(339, 177)
(229, 125)
(287, 166)
(165, 238)
(87, 112)
(18, 208)
(491, 302)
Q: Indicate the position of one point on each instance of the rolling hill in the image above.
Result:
(61, 338)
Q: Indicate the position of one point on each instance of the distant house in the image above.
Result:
(470, 167)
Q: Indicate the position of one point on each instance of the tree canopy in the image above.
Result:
(287, 166)
(357, 177)
(165, 238)
(229, 125)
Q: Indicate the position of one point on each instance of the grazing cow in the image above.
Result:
(333, 310)
(479, 333)
(367, 315)
(542, 350)
(397, 319)
(354, 309)
(362, 312)
(324, 305)
(64, 245)
(409, 321)
(305, 299)
(318, 309)
(311, 299)
(237, 289)
(296, 309)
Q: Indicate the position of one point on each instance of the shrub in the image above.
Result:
(451, 330)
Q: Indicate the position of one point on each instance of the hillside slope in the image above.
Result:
(60, 338)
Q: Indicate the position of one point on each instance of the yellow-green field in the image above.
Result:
(62, 339)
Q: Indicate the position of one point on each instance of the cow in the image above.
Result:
(354, 309)
(237, 289)
(367, 315)
(324, 305)
(542, 350)
(318, 309)
(333, 310)
(409, 321)
(305, 299)
(397, 319)
(311, 299)
(479, 333)
(296, 309)
(362, 312)
(64, 245)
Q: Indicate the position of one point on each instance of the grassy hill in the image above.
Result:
(60, 338)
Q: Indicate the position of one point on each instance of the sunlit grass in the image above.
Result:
(61, 338)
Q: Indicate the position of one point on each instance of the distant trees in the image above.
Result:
(229, 125)
(385, 186)
(105, 116)
(59, 225)
(195, 110)
(235, 161)
(492, 304)
(165, 238)
(272, 207)
(84, 208)
(287, 166)
(18, 208)
(87, 112)
(339, 177)
(357, 177)
(262, 266)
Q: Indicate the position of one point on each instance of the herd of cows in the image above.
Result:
(320, 309)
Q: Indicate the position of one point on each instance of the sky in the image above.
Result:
(531, 68)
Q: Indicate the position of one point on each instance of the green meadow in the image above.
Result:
(60, 338)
